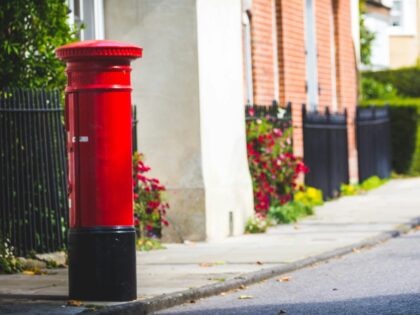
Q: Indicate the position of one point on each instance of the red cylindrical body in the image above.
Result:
(99, 146)
(98, 121)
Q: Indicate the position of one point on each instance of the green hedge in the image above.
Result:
(405, 133)
(405, 80)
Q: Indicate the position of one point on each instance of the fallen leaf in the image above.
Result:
(242, 287)
(192, 301)
(28, 273)
(205, 265)
(356, 250)
(245, 297)
(220, 262)
(74, 303)
(284, 279)
(417, 227)
(260, 263)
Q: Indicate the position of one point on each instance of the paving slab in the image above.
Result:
(337, 224)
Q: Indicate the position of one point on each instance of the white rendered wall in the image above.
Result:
(165, 90)
(189, 92)
(226, 175)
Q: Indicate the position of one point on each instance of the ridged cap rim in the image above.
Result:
(98, 48)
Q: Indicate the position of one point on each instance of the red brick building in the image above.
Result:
(302, 51)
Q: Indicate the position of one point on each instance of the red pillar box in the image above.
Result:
(102, 260)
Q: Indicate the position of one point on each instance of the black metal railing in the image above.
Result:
(325, 150)
(33, 197)
(373, 142)
(279, 116)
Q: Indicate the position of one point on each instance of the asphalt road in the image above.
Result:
(380, 280)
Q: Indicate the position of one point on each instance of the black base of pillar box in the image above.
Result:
(102, 264)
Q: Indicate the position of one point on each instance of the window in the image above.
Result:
(403, 18)
(88, 13)
(311, 55)
(248, 57)
(396, 13)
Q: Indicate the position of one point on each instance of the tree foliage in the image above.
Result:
(30, 31)
(366, 36)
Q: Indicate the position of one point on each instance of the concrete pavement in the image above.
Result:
(380, 280)
(182, 267)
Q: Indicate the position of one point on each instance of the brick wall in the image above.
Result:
(324, 33)
(291, 43)
(263, 51)
(333, 18)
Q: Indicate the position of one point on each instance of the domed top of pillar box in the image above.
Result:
(98, 49)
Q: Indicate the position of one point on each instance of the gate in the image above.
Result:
(373, 142)
(325, 150)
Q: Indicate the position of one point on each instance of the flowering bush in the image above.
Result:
(290, 212)
(8, 262)
(256, 224)
(149, 206)
(310, 196)
(274, 168)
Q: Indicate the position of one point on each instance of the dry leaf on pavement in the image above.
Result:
(284, 279)
(245, 297)
(28, 273)
(74, 303)
(205, 265)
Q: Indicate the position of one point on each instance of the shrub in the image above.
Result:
(290, 212)
(373, 89)
(256, 224)
(372, 183)
(405, 80)
(368, 184)
(405, 133)
(149, 205)
(30, 32)
(273, 167)
(8, 262)
(147, 244)
(310, 197)
(349, 189)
